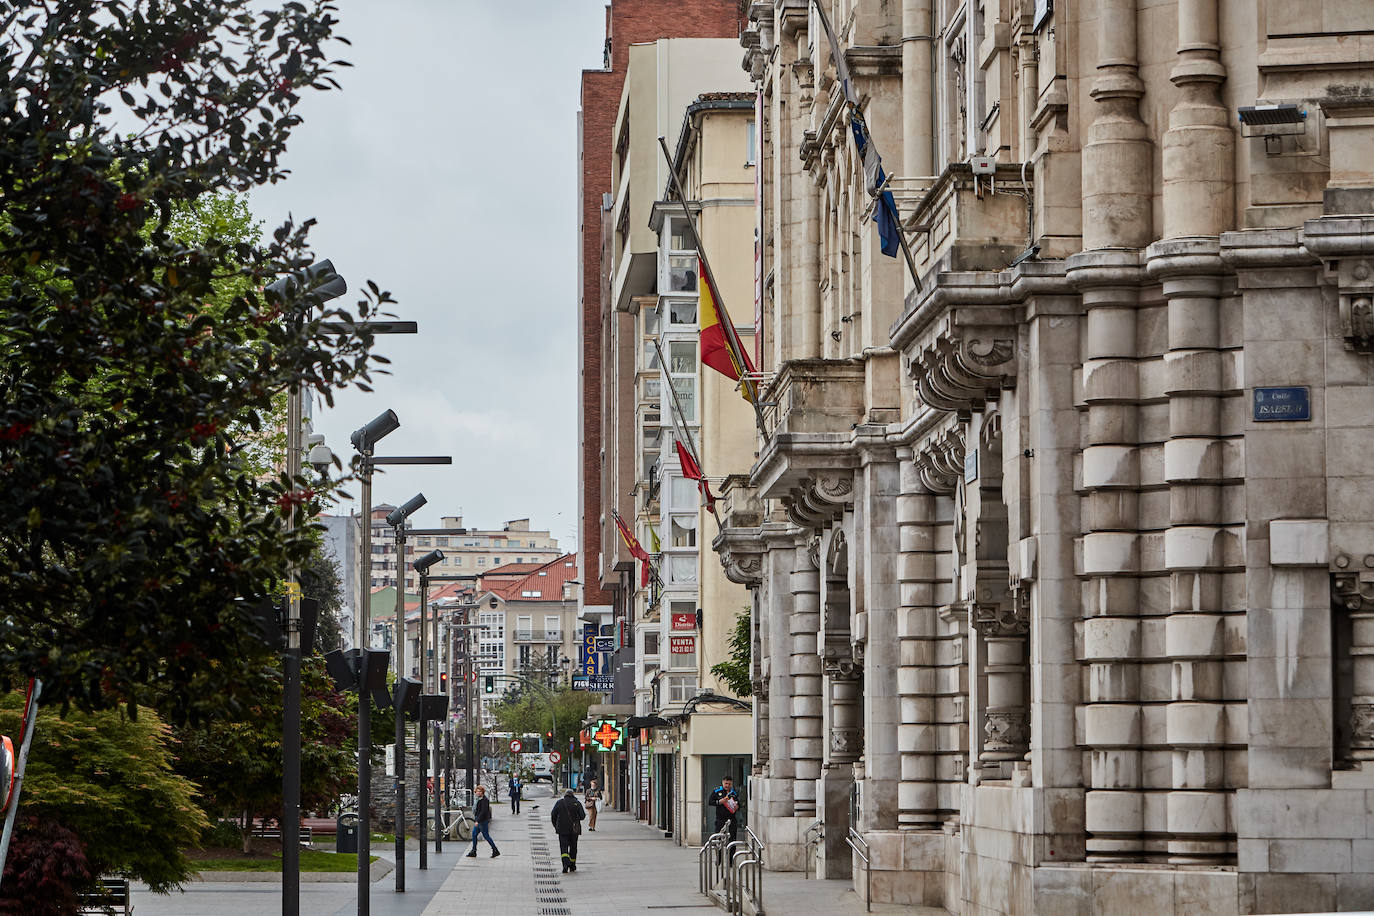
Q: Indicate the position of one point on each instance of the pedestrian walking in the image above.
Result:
(567, 823)
(481, 813)
(593, 799)
(515, 790)
(726, 801)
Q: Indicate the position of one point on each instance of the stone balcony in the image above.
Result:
(814, 405)
(962, 221)
(740, 542)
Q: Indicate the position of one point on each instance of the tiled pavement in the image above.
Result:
(623, 867)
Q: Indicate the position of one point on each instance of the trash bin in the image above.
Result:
(346, 838)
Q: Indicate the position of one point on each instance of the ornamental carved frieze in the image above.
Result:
(965, 366)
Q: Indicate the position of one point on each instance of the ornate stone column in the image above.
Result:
(1354, 590)
(1198, 548)
(1199, 146)
(1006, 718)
(1111, 717)
(807, 745)
(1117, 172)
(923, 591)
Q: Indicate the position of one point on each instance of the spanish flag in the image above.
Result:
(721, 348)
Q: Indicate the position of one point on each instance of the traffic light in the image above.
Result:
(488, 684)
(548, 734)
(443, 682)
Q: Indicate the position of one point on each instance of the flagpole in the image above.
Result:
(685, 432)
(751, 387)
(852, 98)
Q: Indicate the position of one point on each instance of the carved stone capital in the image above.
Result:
(1353, 591)
(843, 667)
(1007, 733)
(997, 621)
(846, 743)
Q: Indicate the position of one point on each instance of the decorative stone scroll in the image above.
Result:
(965, 366)
(940, 462)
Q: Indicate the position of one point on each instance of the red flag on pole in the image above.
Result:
(692, 471)
(636, 549)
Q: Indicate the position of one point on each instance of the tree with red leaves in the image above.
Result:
(135, 511)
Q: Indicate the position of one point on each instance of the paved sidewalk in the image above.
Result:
(623, 867)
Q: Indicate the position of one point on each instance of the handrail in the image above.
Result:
(855, 840)
(810, 841)
(736, 866)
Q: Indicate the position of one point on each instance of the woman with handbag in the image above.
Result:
(593, 799)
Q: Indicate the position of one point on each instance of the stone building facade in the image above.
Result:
(1062, 558)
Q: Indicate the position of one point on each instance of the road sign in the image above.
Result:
(555, 757)
(515, 745)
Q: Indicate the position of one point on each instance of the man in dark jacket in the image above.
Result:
(481, 813)
(517, 789)
(726, 802)
(567, 822)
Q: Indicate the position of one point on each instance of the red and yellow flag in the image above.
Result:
(721, 348)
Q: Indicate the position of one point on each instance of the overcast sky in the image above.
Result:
(446, 171)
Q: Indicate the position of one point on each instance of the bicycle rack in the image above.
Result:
(734, 868)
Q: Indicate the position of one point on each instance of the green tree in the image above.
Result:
(321, 580)
(133, 397)
(237, 762)
(532, 710)
(108, 778)
(734, 671)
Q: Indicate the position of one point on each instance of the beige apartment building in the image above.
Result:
(467, 551)
(1062, 558)
(677, 626)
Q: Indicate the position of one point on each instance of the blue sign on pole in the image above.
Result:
(1271, 404)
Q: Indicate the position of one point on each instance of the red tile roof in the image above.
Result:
(547, 579)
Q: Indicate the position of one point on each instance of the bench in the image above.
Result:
(262, 831)
(113, 897)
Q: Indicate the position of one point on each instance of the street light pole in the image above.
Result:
(319, 282)
(365, 441)
(291, 677)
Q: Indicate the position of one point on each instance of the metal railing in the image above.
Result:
(810, 840)
(855, 841)
(730, 873)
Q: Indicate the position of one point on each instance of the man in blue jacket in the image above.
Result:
(515, 790)
(726, 802)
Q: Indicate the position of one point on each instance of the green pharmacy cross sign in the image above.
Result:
(608, 735)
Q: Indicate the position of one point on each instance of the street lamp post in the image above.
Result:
(422, 566)
(468, 683)
(397, 520)
(318, 284)
(365, 441)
